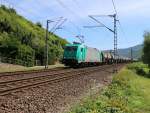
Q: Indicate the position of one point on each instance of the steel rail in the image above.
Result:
(53, 80)
(28, 72)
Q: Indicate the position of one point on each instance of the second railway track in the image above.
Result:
(24, 75)
(12, 86)
(3, 74)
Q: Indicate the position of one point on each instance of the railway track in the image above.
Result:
(29, 72)
(12, 86)
(20, 75)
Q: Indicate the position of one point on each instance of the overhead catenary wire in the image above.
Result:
(56, 24)
(115, 9)
(103, 25)
(114, 6)
(4, 2)
(121, 27)
(69, 31)
(57, 20)
(12, 5)
(67, 8)
(38, 16)
(75, 1)
(75, 26)
(72, 13)
(77, 4)
(60, 24)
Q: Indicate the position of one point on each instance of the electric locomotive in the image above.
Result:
(77, 54)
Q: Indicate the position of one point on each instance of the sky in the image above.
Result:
(134, 16)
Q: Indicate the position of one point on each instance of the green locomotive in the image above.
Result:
(77, 54)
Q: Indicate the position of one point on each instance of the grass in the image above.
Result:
(128, 93)
(12, 68)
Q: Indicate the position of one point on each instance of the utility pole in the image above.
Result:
(114, 31)
(115, 43)
(58, 25)
(131, 54)
(46, 44)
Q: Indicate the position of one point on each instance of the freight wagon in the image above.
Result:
(108, 58)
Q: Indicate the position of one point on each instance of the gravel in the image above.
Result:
(57, 97)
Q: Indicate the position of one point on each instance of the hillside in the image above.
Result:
(22, 40)
(137, 51)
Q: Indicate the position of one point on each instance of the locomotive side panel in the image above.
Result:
(92, 55)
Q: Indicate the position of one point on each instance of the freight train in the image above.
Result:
(79, 55)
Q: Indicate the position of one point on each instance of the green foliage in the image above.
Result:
(140, 69)
(8, 46)
(146, 49)
(10, 10)
(23, 40)
(26, 53)
(5, 26)
(128, 93)
(39, 24)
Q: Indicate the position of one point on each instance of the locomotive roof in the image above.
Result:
(82, 45)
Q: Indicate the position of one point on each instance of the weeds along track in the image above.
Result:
(12, 86)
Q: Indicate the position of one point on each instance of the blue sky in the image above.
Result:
(134, 16)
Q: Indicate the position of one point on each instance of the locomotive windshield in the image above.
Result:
(71, 48)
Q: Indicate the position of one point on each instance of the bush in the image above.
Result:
(137, 65)
(27, 54)
(39, 24)
(140, 71)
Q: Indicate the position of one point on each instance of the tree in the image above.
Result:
(146, 49)
(39, 24)
(12, 10)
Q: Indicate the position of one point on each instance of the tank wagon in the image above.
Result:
(79, 55)
(108, 58)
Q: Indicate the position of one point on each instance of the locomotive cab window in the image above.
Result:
(81, 49)
(71, 48)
